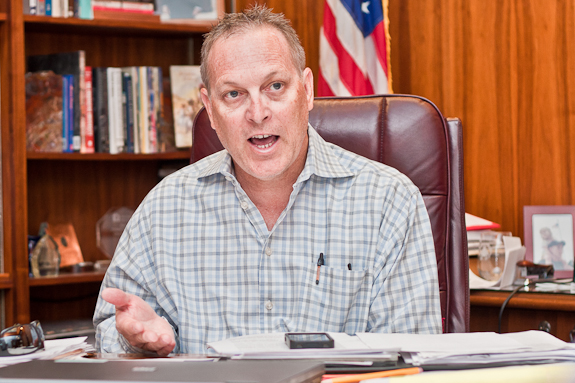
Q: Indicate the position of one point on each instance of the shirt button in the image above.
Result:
(268, 251)
(269, 305)
(244, 205)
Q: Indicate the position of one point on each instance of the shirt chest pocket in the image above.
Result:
(338, 302)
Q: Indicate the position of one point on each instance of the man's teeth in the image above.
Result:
(264, 146)
(262, 136)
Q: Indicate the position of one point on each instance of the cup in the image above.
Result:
(491, 257)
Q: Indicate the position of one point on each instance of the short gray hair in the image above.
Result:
(255, 17)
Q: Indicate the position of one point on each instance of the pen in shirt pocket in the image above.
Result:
(320, 263)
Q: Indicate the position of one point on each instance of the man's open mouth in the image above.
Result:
(263, 141)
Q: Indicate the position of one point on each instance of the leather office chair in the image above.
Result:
(410, 134)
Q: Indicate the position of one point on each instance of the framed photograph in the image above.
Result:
(189, 11)
(549, 237)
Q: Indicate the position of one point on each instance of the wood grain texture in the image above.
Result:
(506, 69)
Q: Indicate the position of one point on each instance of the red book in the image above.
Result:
(87, 135)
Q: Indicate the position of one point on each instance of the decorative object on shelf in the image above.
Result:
(45, 258)
(549, 237)
(65, 236)
(110, 227)
(44, 112)
(186, 83)
(189, 11)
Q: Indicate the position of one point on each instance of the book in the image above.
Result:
(115, 112)
(186, 101)
(44, 112)
(87, 136)
(67, 63)
(26, 7)
(85, 9)
(100, 106)
(166, 139)
(127, 106)
(134, 74)
(143, 110)
(69, 112)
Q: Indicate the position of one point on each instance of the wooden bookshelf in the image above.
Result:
(68, 278)
(73, 187)
(177, 155)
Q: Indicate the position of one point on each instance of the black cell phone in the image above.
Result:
(308, 340)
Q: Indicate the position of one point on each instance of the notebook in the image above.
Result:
(164, 370)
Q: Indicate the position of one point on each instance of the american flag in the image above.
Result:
(354, 49)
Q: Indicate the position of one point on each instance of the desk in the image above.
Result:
(523, 312)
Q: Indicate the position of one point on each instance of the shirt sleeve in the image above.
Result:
(132, 271)
(405, 293)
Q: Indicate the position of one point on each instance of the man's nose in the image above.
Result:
(258, 110)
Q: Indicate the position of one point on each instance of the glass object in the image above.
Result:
(491, 255)
(45, 259)
(21, 339)
(110, 227)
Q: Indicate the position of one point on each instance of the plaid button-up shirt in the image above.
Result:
(199, 252)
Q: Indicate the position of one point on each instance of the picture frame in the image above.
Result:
(197, 12)
(549, 233)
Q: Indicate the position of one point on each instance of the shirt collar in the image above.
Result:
(321, 161)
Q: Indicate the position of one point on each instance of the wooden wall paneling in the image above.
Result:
(505, 68)
(64, 302)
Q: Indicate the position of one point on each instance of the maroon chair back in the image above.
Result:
(410, 134)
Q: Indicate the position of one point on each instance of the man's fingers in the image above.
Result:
(116, 297)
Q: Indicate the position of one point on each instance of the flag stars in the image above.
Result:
(364, 6)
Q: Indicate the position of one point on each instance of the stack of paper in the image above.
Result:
(53, 349)
(475, 348)
(272, 346)
(417, 349)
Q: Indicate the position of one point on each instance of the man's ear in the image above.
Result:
(207, 103)
(308, 86)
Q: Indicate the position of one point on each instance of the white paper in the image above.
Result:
(52, 349)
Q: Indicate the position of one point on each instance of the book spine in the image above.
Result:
(41, 10)
(101, 117)
(56, 8)
(158, 104)
(26, 7)
(48, 6)
(135, 106)
(151, 113)
(88, 137)
(85, 11)
(64, 6)
(128, 110)
(144, 124)
(71, 111)
(112, 112)
(65, 98)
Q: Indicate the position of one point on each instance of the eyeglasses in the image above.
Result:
(21, 339)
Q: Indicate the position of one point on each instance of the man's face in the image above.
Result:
(259, 104)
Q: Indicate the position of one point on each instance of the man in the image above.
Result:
(279, 232)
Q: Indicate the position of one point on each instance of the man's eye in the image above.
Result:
(233, 94)
(276, 86)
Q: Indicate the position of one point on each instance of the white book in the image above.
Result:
(56, 8)
(115, 112)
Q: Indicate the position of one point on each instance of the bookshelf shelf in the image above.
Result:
(3, 17)
(66, 279)
(147, 27)
(177, 155)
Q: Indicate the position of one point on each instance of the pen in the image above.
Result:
(320, 262)
(374, 375)
(349, 266)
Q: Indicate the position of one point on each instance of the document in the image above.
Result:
(273, 346)
(53, 349)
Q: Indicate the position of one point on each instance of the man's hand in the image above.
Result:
(139, 323)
